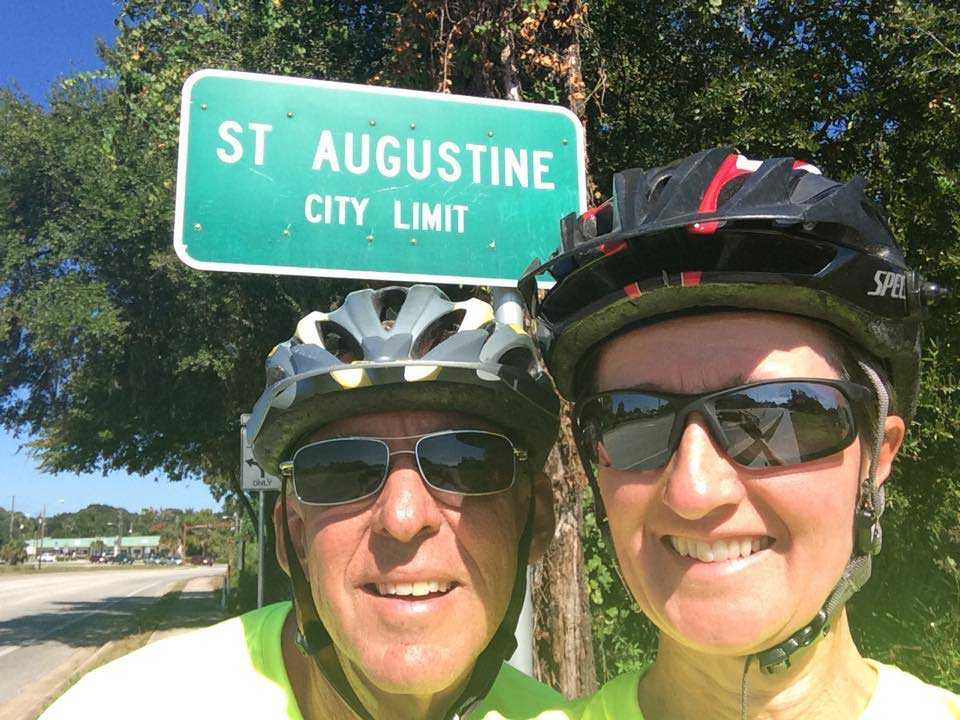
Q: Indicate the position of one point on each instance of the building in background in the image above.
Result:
(137, 546)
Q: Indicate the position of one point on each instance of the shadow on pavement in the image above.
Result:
(90, 624)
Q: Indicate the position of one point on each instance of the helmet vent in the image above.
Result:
(436, 332)
(339, 342)
(658, 189)
(520, 358)
(730, 189)
(390, 301)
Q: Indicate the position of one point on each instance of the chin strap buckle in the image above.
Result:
(777, 659)
(869, 532)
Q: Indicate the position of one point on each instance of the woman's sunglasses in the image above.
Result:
(759, 425)
(461, 462)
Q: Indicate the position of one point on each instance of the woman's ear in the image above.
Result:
(893, 433)
(544, 522)
(295, 522)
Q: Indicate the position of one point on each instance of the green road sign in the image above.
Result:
(305, 177)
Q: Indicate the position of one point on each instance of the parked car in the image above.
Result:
(48, 557)
(95, 558)
(122, 559)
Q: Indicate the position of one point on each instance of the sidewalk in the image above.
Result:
(197, 606)
(185, 606)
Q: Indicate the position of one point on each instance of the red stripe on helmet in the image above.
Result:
(612, 248)
(728, 171)
(591, 212)
(801, 165)
(632, 290)
(690, 278)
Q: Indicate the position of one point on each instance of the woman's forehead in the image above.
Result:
(700, 353)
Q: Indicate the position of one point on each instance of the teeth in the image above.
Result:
(417, 589)
(719, 550)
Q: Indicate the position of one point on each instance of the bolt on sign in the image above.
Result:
(306, 177)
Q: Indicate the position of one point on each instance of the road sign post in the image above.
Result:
(306, 177)
(253, 477)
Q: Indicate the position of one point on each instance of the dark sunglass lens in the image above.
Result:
(467, 462)
(340, 470)
(632, 427)
(785, 423)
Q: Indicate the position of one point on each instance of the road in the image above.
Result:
(47, 617)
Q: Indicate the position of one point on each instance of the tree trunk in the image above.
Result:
(563, 638)
(563, 634)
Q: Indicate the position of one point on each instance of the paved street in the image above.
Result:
(45, 618)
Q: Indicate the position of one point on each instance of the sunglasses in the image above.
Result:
(758, 425)
(460, 462)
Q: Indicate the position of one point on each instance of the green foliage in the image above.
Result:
(115, 355)
(623, 638)
(13, 552)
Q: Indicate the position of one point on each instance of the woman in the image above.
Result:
(741, 340)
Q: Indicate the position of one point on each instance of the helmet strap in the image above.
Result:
(868, 538)
(312, 636)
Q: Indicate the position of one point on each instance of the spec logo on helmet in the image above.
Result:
(889, 282)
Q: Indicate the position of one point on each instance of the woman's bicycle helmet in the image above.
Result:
(716, 230)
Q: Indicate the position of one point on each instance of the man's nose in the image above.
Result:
(405, 508)
(700, 479)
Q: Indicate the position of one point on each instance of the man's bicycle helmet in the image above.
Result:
(717, 231)
(400, 349)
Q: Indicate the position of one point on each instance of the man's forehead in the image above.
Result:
(401, 424)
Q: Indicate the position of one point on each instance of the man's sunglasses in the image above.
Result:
(460, 462)
(759, 425)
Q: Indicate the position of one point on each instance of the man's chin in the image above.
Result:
(419, 669)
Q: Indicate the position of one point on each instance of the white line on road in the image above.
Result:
(77, 619)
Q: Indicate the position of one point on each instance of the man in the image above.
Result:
(409, 432)
(742, 342)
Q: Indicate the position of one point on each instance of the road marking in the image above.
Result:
(77, 619)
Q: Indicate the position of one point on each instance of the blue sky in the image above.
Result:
(42, 41)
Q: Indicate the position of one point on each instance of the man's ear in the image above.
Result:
(544, 522)
(295, 522)
(893, 433)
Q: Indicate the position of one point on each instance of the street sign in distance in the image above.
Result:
(306, 177)
(252, 476)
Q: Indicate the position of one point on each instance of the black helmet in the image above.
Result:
(716, 230)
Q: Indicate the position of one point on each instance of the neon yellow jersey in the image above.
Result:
(235, 669)
(898, 695)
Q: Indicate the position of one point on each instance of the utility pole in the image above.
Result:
(43, 520)
(13, 504)
(119, 531)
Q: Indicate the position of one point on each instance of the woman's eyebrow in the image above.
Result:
(672, 388)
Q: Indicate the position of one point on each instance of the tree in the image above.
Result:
(13, 552)
(114, 355)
